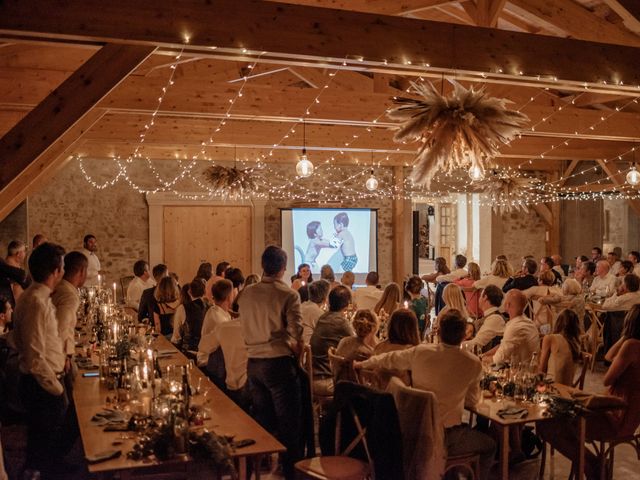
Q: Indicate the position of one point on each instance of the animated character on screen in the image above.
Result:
(316, 242)
(344, 240)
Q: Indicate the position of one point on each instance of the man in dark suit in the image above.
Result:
(525, 278)
(147, 300)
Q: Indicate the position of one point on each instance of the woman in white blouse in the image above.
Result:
(498, 276)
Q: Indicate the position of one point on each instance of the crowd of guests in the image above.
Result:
(248, 335)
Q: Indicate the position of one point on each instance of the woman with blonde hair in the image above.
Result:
(390, 300)
(472, 296)
(167, 296)
(453, 300)
(360, 347)
(500, 272)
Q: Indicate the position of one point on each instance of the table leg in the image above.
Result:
(242, 468)
(504, 453)
(582, 434)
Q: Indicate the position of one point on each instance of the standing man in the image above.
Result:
(272, 328)
(139, 284)
(13, 277)
(66, 299)
(89, 251)
(41, 361)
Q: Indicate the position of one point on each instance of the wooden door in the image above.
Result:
(195, 234)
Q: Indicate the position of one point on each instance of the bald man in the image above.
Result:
(521, 338)
(604, 284)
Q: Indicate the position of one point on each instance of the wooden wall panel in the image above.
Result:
(201, 233)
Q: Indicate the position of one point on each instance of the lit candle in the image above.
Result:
(150, 355)
(303, 283)
(145, 375)
(114, 293)
(406, 304)
(99, 280)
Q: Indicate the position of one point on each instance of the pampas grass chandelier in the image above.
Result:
(462, 131)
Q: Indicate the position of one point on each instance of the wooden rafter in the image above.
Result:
(618, 179)
(297, 32)
(565, 175)
(629, 10)
(24, 148)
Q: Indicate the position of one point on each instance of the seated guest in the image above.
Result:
(498, 276)
(627, 296)
(234, 275)
(360, 347)
(557, 265)
(251, 279)
(469, 331)
(180, 314)
(459, 272)
(205, 271)
(302, 277)
(546, 265)
(521, 339)
(560, 350)
(195, 308)
(13, 277)
(453, 375)
(623, 380)
(571, 298)
(312, 310)
(141, 281)
(614, 262)
(469, 281)
(217, 314)
(331, 327)
(491, 325)
(546, 286)
(402, 332)
(634, 258)
(5, 316)
(585, 274)
(348, 279)
(367, 297)
(167, 299)
(596, 254)
(441, 269)
(220, 269)
(525, 278)
(604, 283)
(147, 299)
(418, 303)
(389, 301)
(453, 300)
(326, 273)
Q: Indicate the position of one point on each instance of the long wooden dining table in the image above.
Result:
(226, 418)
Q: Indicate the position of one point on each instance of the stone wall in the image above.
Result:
(581, 228)
(68, 208)
(523, 233)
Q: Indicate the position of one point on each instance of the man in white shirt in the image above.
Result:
(557, 265)
(634, 257)
(458, 273)
(453, 375)
(90, 247)
(272, 326)
(521, 338)
(604, 284)
(369, 296)
(492, 323)
(312, 310)
(66, 299)
(139, 284)
(627, 296)
(217, 314)
(41, 360)
(614, 263)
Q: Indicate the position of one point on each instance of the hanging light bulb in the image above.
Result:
(304, 167)
(633, 176)
(476, 173)
(372, 182)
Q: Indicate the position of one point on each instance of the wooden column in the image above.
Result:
(550, 214)
(398, 227)
(33, 149)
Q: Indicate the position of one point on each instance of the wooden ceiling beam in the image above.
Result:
(619, 180)
(572, 166)
(628, 10)
(303, 32)
(488, 12)
(23, 149)
(578, 22)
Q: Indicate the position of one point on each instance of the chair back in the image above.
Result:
(359, 438)
(124, 284)
(306, 362)
(472, 296)
(341, 368)
(586, 362)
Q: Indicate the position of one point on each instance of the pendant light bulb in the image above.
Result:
(372, 183)
(633, 176)
(476, 173)
(304, 167)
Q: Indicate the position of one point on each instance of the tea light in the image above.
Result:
(99, 280)
(303, 283)
(406, 304)
(114, 293)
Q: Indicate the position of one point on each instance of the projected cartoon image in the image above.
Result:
(339, 248)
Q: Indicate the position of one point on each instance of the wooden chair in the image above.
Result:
(586, 362)
(369, 378)
(341, 368)
(595, 336)
(469, 463)
(473, 298)
(124, 284)
(340, 466)
(605, 451)
(306, 362)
